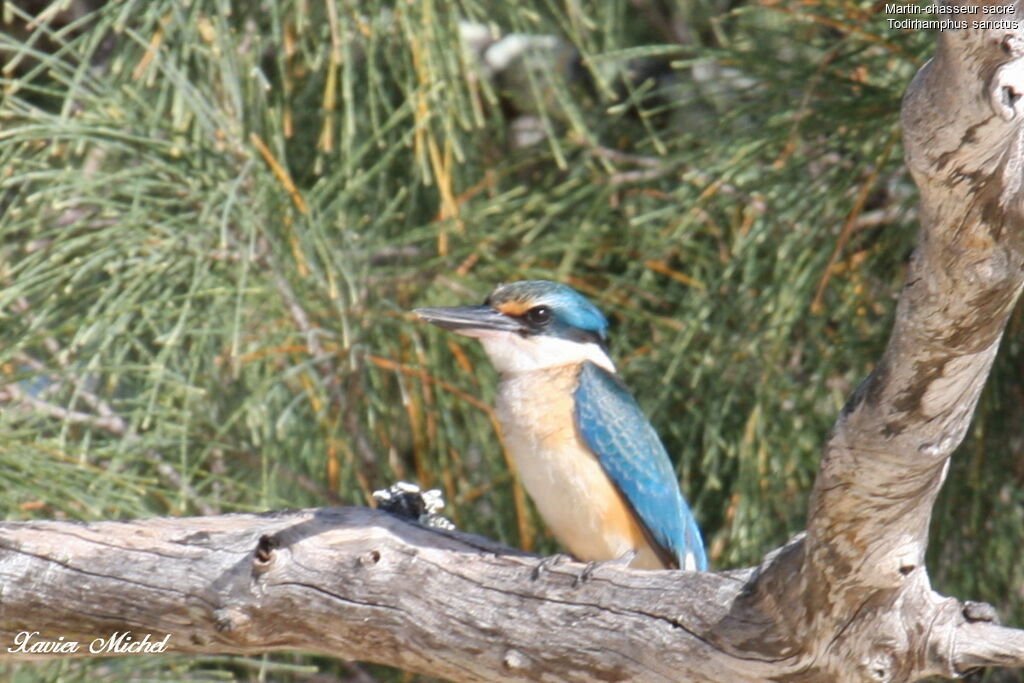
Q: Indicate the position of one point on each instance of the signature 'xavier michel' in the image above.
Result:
(586, 453)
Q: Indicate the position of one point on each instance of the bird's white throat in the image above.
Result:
(513, 353)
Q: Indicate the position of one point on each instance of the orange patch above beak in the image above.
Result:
(514, 308)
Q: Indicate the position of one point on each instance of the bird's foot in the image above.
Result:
(588, 571)
(547, 563)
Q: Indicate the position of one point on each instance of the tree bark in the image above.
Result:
(850, 600)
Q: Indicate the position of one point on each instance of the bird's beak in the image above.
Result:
(472, 321)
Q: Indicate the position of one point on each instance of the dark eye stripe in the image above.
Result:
(583, 336)
(555, 327)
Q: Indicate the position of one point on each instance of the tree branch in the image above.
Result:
(985, 644)
(362, 584)
(358, 584)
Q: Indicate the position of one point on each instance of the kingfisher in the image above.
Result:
(585, 452)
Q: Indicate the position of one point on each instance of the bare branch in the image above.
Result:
(986, 644)
(357, 584)
(889, 451)
(361, 584)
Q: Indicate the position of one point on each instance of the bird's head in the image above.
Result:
(530, 325)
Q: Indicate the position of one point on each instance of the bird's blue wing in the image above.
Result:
(613, 426)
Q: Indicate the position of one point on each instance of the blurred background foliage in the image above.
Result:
(215, 217)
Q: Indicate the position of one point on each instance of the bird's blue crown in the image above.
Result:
(571, 310)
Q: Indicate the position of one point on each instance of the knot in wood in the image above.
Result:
(1012, 45)
(264, 553)
(368, 559)
(879, 668)
(1006, 89)
(514, 660)
(231, 620)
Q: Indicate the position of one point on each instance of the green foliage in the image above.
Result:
(215, 217)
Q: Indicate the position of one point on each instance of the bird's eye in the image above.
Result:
(540, 315)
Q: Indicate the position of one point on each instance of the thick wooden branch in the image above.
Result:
(848, 601)
(887, 457)
(360, 584)
(889, 452)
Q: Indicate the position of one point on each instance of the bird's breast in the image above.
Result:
(566, 481)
